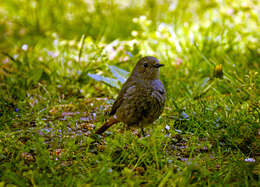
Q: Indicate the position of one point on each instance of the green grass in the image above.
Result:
(49, 106)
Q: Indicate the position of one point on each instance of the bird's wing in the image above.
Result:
(129, 83)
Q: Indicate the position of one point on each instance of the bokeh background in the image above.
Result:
(55, 39)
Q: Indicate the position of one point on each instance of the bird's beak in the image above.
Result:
(158, 65)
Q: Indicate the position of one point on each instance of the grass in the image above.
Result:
(208, 134)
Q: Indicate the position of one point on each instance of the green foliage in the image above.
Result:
(55, 57)
(120, 74)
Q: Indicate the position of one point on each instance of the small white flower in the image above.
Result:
(134, 33)
(179, 131)
(55, 42)
(173, 6)
(167, 127)
(135, 20)
(249, 160)
(142, 18)
(25, 47)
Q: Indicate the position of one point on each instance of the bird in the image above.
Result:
(141, 99)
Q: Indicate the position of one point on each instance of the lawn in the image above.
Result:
(62, 64)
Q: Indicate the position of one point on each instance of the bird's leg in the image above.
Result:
(142, 131)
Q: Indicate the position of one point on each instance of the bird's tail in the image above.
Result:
(111, 121)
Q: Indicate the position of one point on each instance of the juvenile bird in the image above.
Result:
(141, 99)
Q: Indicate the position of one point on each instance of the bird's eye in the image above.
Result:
(145, 65)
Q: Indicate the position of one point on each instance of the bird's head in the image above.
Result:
(147, 68)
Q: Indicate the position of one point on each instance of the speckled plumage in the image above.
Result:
(142, 97)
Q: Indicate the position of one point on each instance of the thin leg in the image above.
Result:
(142, 131)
